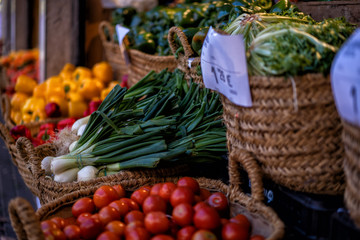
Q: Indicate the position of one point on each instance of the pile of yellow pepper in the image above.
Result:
(71, 90)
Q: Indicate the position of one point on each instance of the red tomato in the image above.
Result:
(156, 189)
(139, 195)
(200, 205)
(138, 233)
(108, 214)
(182, 195)
(104, 195)
(120, 190)
(154, 203)
(166, 190)
(148, 188)
(162, 237)
(107, 235)
(242, 220)
(185, 233)
(90, 228)
(224, 221)
(183, 214)
(134, 224)
(218, 201)
(47, 224)
(122, 207)
(96, 216)
(58, 234)
(257, 237)
(234, 231)
(204, 193)
(83, 205)
(133, 216)
(72, 232)
(59, 221)
(156, 222)
(131, 203)
(190, 183)
(82, 217)
(206, 218)
(203, 235)
(116, 227)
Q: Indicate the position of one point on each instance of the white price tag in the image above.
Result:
(223, 66)
(345, 79)
(121, 33)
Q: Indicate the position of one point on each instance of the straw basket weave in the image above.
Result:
(140, 63)
(46, 189)
(26, 222)
(293, 131)
(351, 138)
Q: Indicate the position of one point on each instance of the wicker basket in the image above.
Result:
(293, 131)
(26, 222)
(351, 138)
(48, 190)
(140, 63)
(22, 165)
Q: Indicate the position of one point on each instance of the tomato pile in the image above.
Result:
(164, 211)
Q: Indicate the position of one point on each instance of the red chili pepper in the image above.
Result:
(124, 82)
(86, 112)
(20, 131)
(68, 122)
(50, 126)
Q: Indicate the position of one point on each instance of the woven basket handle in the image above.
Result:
(28, 154)
(24, 221)
(183, 40)
(106, 25)
(242, 157)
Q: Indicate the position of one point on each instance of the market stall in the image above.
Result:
(187, 120)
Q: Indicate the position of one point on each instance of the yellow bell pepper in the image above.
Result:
(81, 73)
(67, 71)
(54, 87)
(38, 115)
(103, 71)
(31, 105)
(18, 100)
(106, 91)
(39, 90)
(112, 84)
(77, 108)
(89, 89)
(25, 84)
(62, 102)
(16, 116)
(74, 97)
(70, 86)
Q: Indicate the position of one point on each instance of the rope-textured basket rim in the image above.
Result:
(236, 198)
(49, 190)
(295, 140)
(351, 139)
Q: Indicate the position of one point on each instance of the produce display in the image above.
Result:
(75, 92)
(24, 62)
(148, 31)
(160, 120)
(291, 44)
(164, 211)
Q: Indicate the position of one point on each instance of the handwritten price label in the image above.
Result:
(121, 33)
(224, 69)
(345, 79)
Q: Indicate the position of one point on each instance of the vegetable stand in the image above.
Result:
(167, 123)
